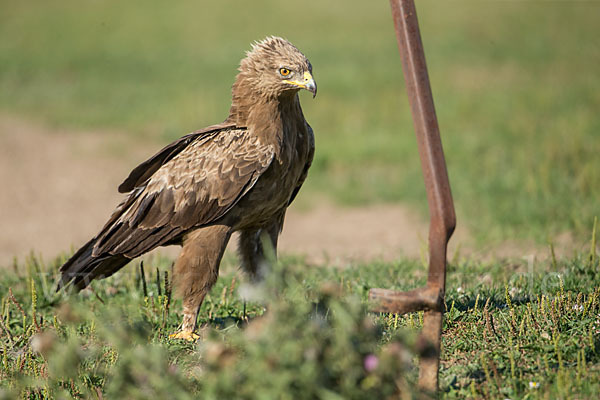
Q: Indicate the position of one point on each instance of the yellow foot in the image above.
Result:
(190, 336)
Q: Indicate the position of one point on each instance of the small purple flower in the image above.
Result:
(371, 361)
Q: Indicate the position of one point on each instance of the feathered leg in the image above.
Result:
(251, 246)
(196, 271)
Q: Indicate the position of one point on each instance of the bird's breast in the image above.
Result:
(274, 188)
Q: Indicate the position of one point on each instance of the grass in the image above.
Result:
(511, 331)
(515, 84)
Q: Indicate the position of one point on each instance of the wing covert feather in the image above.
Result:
(195, 187)
(145, 170)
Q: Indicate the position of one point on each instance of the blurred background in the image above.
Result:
(88, 89)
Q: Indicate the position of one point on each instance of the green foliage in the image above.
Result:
(515, 84)
(311, 344)
(315, 341)
(527, 345)
(519, 330)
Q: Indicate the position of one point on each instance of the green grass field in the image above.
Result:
(517, 92)
(529, 331)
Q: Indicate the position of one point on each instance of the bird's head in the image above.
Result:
(275, 67)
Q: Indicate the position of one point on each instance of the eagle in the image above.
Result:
(236, 176)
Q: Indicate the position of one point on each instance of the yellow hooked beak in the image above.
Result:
(307, 83)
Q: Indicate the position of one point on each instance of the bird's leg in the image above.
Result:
(191, 307)
(251, 247)
(254, 257)
(251, 253)
(195, 272)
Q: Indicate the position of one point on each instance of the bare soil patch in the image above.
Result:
(58, 187)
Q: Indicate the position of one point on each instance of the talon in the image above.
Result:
(190, 336)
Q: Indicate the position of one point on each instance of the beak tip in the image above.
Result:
(312, 87)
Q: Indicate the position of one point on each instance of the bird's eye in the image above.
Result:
(284, 71)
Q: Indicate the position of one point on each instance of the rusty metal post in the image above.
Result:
(441, 208)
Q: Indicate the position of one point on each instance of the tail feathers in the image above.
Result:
(83, 267)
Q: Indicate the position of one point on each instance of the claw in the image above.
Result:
(190, 336)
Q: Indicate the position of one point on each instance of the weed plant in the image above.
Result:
(512, 330)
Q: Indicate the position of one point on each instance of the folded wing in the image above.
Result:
(190, 183)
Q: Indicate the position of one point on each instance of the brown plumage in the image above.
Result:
(239, 175)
